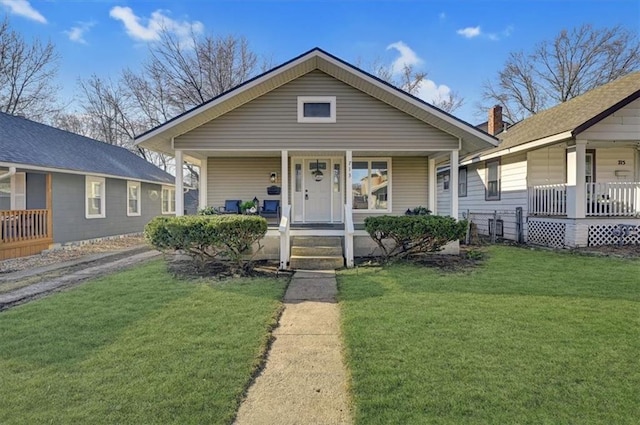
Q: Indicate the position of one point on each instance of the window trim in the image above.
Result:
(138, 201)
(103, 196)
(331, 100)
(171, 196)
(465, 182)
(389, 208)
(497, 197)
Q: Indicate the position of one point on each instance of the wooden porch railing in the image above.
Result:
(24, 225)
(613, 199)
(548, 199)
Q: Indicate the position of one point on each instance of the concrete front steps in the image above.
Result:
(316, 253)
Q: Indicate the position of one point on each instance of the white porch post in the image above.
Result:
(202, 189)
(179, 183)
(348, 234)
(576, 187)
(285, 242)
(454, 183)
(433, 187)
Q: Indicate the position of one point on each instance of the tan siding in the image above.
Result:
(239, 178)
(270, 122)
(547, 166)
(621, 125)
(607, 164)
(513, 174)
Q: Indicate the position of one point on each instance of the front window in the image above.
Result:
(168, 200)
(317, 109)
(133, 198)
(492, 191)
(95, 197)
(370, 179)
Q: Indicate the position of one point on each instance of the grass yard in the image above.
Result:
(137, 347)
(530, 337)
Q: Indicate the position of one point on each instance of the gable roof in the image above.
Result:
(159, 138)
(575, 115)
(26, 142)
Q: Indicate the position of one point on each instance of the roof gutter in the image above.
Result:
(12, 171)
(527, 146)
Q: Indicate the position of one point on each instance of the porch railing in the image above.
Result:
(549, 199)
(285, 237)
(613, 199)
(24, 225)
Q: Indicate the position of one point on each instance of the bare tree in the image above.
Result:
(555, 71)
(411, 80)
(27, 72)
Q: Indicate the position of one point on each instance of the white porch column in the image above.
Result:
(453, 179)
(576, 187)
(433, 187)
(179, 183)
(348, 234)
(202, 189)
(285, 242)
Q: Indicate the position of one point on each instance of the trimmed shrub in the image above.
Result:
(209, 237)
(403, 236)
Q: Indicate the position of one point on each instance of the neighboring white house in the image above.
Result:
(573, 170)
(329, 143)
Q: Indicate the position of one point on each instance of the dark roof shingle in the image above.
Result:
(23, 141)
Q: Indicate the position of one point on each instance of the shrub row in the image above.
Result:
(403, 236)
(221, 237)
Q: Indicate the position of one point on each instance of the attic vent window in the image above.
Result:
(317, 109)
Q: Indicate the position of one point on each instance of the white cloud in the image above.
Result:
(407, 56)
(149, 29)
(24, 8)
(442, 16)
(470, 32)
(78, 32)
(429, 91)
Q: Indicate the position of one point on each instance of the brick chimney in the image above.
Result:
(494, 125)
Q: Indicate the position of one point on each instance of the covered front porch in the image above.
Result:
(26, 226)
(320, 193)
(591, 194)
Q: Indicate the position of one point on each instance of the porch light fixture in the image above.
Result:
(317, 174)
(273, 177)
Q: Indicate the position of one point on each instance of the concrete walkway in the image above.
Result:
(86, 268)
(304, 380)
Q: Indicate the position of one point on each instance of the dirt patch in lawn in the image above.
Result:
(469, 258)
(190, 269)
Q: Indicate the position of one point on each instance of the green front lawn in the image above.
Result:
(529, 337)
(136, 347)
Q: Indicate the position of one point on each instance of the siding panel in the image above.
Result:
(621, 125)
(270, 122)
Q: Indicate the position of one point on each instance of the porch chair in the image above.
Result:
(230, 207)
(270, 208)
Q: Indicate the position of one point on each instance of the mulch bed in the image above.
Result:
(469, 258)
(191, 269)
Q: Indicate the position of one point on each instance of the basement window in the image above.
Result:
(317, 109)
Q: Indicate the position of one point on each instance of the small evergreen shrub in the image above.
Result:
(209, 237)
(403, 236)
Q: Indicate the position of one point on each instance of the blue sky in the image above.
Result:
(459, 43)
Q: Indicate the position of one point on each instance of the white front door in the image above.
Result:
(317, 190)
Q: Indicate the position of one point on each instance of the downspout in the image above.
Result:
(12, 171)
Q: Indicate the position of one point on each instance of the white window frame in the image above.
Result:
(389, 183)
(463, 176)
(331, 100)
(172, 200)
(138, 212)
(103, 192)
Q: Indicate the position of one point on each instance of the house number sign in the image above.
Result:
(622, 162)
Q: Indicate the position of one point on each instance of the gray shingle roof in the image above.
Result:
(23, 141)
(574, 115)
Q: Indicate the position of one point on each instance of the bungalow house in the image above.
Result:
(565, 177)
(58, 187)
(329, 142)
